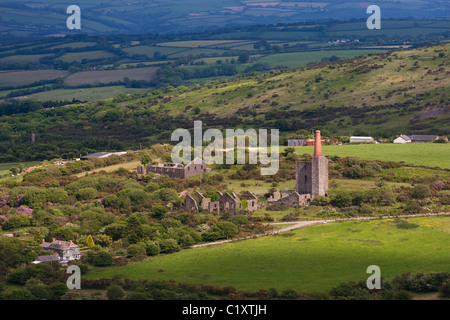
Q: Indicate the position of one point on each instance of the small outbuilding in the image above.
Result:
(102, 155)
(356, 139)
(402, 139)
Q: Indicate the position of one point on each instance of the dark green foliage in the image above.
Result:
(159, 212)
(403, 224)
(135, 250)
(86, 194)
(20, 106)
(169, 246)
(444, 289)
(152, 248)
(115, 230)
(14, 252)
(421, 282)
(221, 230)
(350, 291)
(115, 292)
(16, 222)
(421, 191)
(341, 200)
(99, 257)
(41, 271)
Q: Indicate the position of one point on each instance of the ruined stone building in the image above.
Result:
(227, 202)
(175, 170)
(311, 180)
(252, 200)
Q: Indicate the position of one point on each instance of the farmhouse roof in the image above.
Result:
(59, 245)
(47, 258)
(423, 137)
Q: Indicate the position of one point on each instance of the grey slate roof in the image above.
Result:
(423, 137)
(48, 258)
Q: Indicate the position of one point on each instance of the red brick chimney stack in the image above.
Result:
(318, 145)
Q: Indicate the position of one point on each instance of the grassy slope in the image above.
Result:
(385, 89)
(310, 259)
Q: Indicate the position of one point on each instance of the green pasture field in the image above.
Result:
(197, 51)
(30, 58)
(90, 55)
(75, 45)
(86, 94)
(18, 78)
(427, 154)
(150, 50)
(314, 258)
(108, 76)
(198, 43)
(4, 167)
(412, 173)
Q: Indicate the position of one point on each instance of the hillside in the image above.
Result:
(381, 95)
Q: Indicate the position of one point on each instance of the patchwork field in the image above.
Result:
(310, 259)
(18, 78)
(88, 55)
(105, 77)
(31, 58)
(85, 94)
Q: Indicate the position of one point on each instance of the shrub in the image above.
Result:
(321, 201)
(159, 212)
(444, 199)
(135, 196)
(225, 229)
(444, 289)
(166, 194)
(293, 216)
(239, 219)
(421, 282)
(115, 231)
(34, 197)
(403, 224)
(99, 258)
(152, 248)
(413, 207)
(115, 292)
(341, 200)
(136, 250)
(86, 194)
(186, 240)
(169, 246)
(151, 186)
(421, 191)
(171, 223)
(16, 222)
(349, 291)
